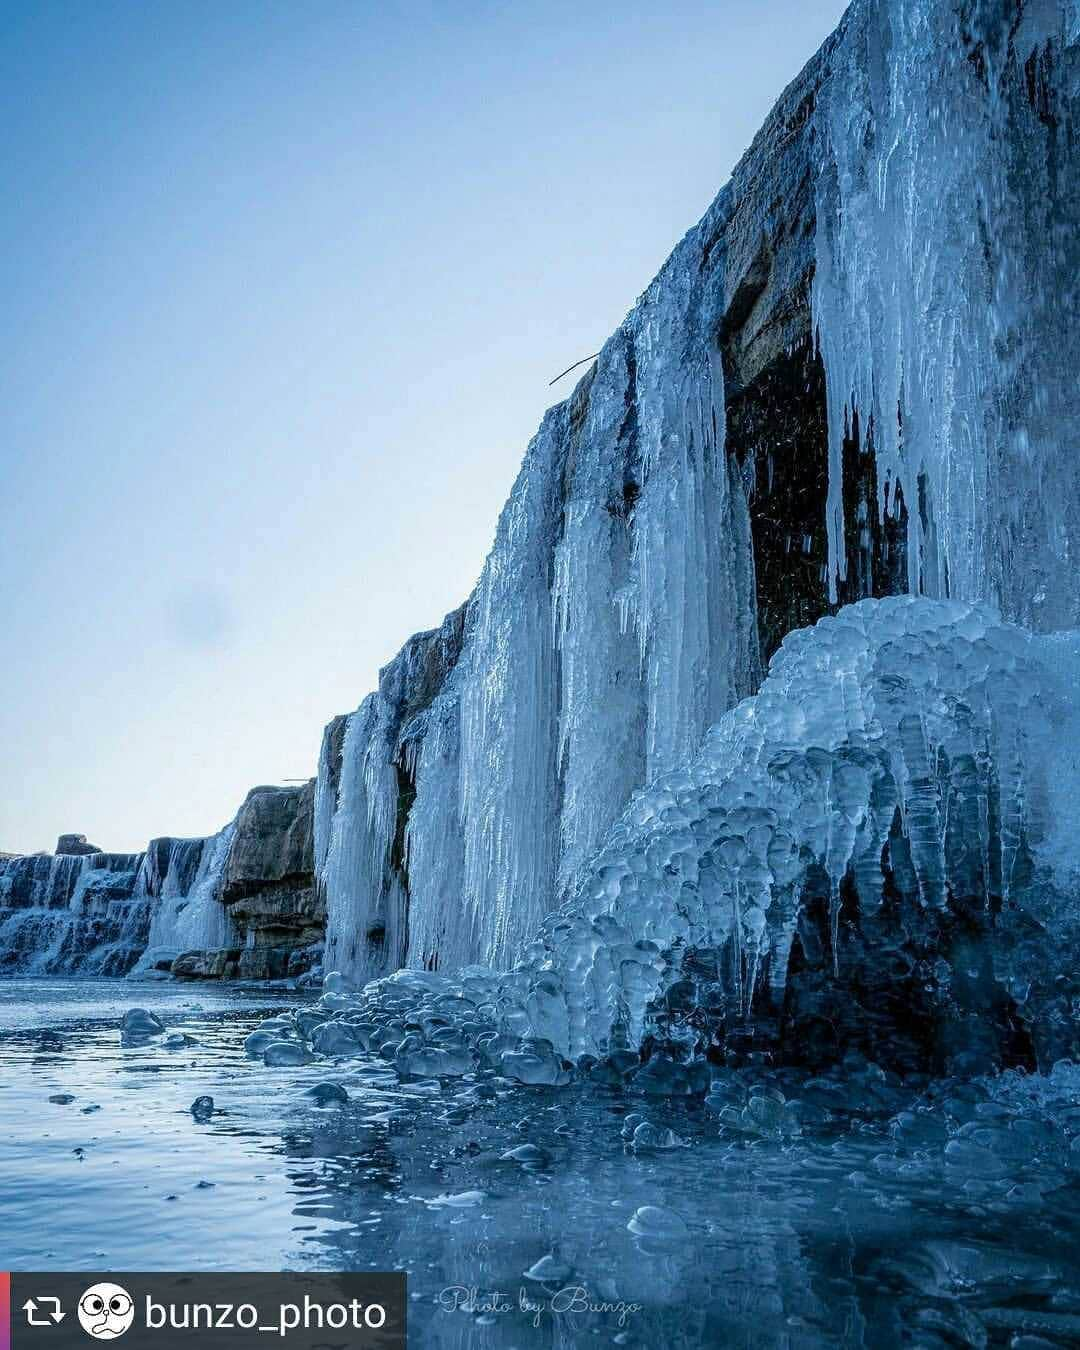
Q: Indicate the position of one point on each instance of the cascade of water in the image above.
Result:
(66, 914)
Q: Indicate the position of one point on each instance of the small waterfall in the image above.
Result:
(72, 914)
(113, 913)
(184, 877)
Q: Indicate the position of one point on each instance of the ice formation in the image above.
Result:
(946, 289)
(855, 376)
(904, 232)
(188, 914)
(97, 913)
(613, 622)
(905, 749)
(61, 914)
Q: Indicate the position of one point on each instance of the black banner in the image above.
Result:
(167, 1310)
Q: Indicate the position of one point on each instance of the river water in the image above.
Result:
(888, 1213)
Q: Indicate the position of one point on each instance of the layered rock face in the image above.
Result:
(75, 845)
(269, 887)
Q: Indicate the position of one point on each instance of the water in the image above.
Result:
(869, 1227)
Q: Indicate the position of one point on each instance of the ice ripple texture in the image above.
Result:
(902, 747)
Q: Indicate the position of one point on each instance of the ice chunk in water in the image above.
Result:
(140, 1022)
(284, 1054)
(550, 1269)
(530, 1156)
(460, 1200)
(647, 1137)
(656, 1221)
(335, 1038)
(202, 1108)
(328, 1094)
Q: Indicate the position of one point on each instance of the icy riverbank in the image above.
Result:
(854, 1209)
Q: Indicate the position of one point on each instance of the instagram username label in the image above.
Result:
(59, 1311)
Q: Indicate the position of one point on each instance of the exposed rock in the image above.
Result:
(273, 841)
(75, 845)
(269, 884)
(242, 903)
(212, 965)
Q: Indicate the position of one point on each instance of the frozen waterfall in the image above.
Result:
(946, 292)
(111, 913)
(896, 258)
(188, 914)
(63, 914)
(613, 622)
(905, 751)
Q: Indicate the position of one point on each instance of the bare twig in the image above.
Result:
(573, 367)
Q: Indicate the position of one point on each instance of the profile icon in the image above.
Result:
(106, 1311)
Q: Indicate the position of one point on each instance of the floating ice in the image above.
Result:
(328, 1094)
(648, 1137)
(202, 1108)
(656, 1221)
(550, 1269)
(460, 1200)
(530, 1156)
(140, 1022)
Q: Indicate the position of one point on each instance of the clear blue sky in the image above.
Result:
(284, 285)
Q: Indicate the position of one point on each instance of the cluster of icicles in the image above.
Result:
(924, 731)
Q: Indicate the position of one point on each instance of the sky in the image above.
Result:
(284, 286)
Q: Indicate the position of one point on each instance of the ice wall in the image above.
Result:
(612, 623)
(855, 376)
(914, 763)
(188, 914)
(112, 913)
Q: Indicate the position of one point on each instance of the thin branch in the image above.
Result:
(573, 367)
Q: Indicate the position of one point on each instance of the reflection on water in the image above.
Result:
(889, 1214)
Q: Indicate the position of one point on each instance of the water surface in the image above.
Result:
(941, 1214)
